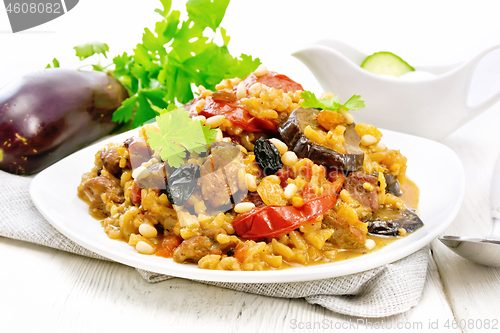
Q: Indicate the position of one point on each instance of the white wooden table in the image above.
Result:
(45, 290)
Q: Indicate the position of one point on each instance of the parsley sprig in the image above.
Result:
(177, 54)
(161, 69)
(332, 103)
(177, 134)
(85, 51)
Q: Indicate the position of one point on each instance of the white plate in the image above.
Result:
(435, 168)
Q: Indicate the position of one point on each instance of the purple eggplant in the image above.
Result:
(49, 114)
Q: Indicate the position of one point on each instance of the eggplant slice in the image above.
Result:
(388, 222)
(392, 185)
(292, 133)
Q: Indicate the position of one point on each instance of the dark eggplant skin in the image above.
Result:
(388, 222)
(392, 185)
(292, 133)
(49, 114)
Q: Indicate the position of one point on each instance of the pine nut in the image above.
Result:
(282, 147)
(290, 190)
(147, 230)
(140, 172)
(215, 121)
(235, 81)
(199, 105)
(244, 207)
(289, 158)
(370, 244)
(261, 70)
(251, 183)
(144, 248)
(219, 135)
(380, 147)
(349, 119)
(200, 118)
(241, 92)
(255, 89)
(368, 140)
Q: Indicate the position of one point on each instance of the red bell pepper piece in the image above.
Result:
(274, 221)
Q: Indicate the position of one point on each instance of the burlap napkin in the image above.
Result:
(379, 292)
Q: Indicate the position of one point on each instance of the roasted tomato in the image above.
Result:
(237, 115)
(274, 80)
(221, 104)
(275, 221)
(168, 245)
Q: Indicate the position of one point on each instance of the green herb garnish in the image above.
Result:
(162, 68)
(55, 64)
(333, 103)
(87, 50)
(179, 133)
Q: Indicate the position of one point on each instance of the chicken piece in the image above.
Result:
(227, 156)
(354, 185)
(96, 187)
(345, 236)
(195, 248)
(213, 185)
(111, 161)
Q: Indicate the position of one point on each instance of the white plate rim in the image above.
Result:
(317, 272)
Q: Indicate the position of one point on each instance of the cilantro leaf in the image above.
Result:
(86, 50)
(178, 133)
(144, 112)
(225, 37)
(354, 103)
(125, 111)
(332, 103)
(171, 59)
(55, 64)
(166, 7)
(310, 100)
(208, 13)
(210, 134)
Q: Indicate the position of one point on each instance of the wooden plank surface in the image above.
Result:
(474, 290)
(45, 290)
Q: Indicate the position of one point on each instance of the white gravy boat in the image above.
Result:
(432, 107)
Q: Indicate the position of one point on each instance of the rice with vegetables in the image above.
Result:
(289, 180)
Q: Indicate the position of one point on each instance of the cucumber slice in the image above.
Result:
(386, 63)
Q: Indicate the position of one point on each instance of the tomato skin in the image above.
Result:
(334, 175)
(284, 174)
(135, 194)
(274, 221)
(337, 179)
(237, 115)
(274, 80)
(168, 245)
(241, 252)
